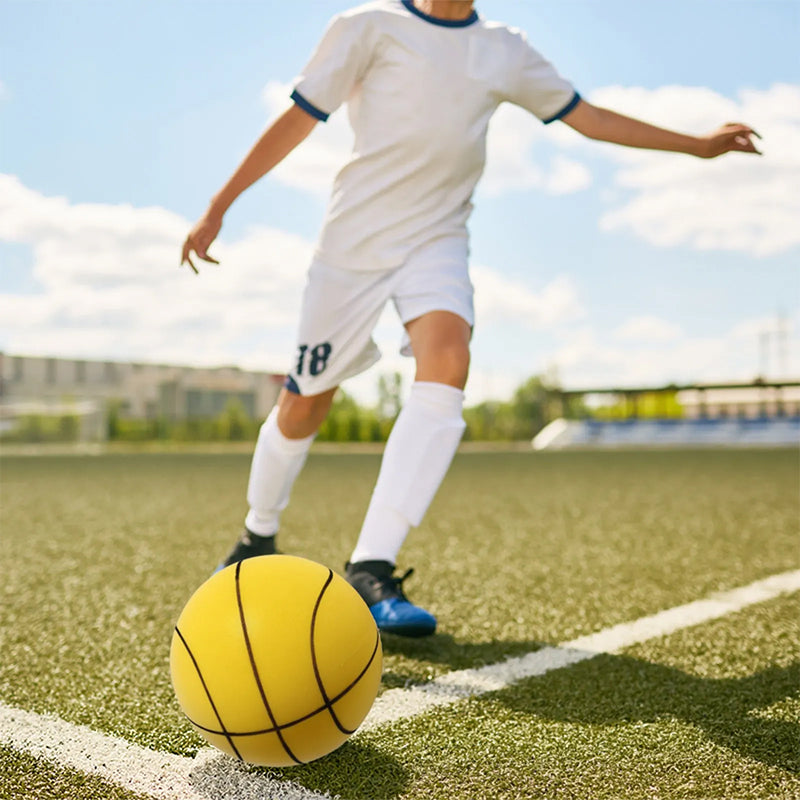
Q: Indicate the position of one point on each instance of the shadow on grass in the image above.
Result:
(445, 650)
(619, 690)
(355, 770)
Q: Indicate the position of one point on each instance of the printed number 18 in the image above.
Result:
(318, 358)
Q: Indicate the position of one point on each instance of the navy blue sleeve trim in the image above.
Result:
(291, 385)
(445, 23)
(576, 98)
(309, 108)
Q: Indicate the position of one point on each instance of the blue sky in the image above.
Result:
(603, 266)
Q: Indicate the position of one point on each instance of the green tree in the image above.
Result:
(390, 395)
(112, 419)
(533, 404)
(233, 424)
(530, 406)
(342, 422)
(68, 428)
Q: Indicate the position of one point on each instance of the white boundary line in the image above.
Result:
(396, 704)
(164, 776)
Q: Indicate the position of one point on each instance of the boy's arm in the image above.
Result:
(609, 126)
(277, 141)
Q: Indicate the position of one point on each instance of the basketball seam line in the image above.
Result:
(325, 699)
(223, 732)
(255, 669)
(308, 716)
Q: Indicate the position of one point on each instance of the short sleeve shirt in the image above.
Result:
(420, 92)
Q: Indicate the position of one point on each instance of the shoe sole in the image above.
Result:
(407, 630)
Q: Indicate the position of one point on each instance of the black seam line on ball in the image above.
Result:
(325, 699)
(311, 713)
(255, 669)
(223, 731)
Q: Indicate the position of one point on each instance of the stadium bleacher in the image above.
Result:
(720, 432)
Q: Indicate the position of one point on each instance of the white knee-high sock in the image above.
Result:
(277, 461)
(417, 456)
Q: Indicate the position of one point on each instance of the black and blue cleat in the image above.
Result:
(383, 594)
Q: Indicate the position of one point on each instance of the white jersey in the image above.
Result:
(420, 93)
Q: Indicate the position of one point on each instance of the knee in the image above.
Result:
(447, 364)
(300, 416)
(457, 366)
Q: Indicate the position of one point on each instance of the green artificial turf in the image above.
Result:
(519, 549)
(711, 712)
(23, 777)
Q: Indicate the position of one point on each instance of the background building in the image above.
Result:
(88, 390)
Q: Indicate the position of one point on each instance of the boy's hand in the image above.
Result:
(199, 240)
(731, 136)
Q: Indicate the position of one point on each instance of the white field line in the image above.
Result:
(212, 776)
(162, 776)
(396, 704)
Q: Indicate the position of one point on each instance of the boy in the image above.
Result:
(421, 79)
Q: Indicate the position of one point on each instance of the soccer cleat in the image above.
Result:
(249, 545)
(384, 595)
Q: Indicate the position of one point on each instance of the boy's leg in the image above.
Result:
(283, 444)
(339, 312)
(281, 450)
(416, 459)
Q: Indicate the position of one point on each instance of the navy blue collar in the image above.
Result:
(447, 23)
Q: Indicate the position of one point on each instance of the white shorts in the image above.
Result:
(341, 309)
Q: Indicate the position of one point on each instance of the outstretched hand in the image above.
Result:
(733, 136)
(200, 239)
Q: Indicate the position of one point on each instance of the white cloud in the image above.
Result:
(491, 384)
(314, 164)
(775, 325)
(109, 285)
(737, 202)
(647, 328)
(587, 357)
(499, 299)
(520, 156)
(567, 176)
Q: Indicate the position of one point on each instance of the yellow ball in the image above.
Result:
(276, 660)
